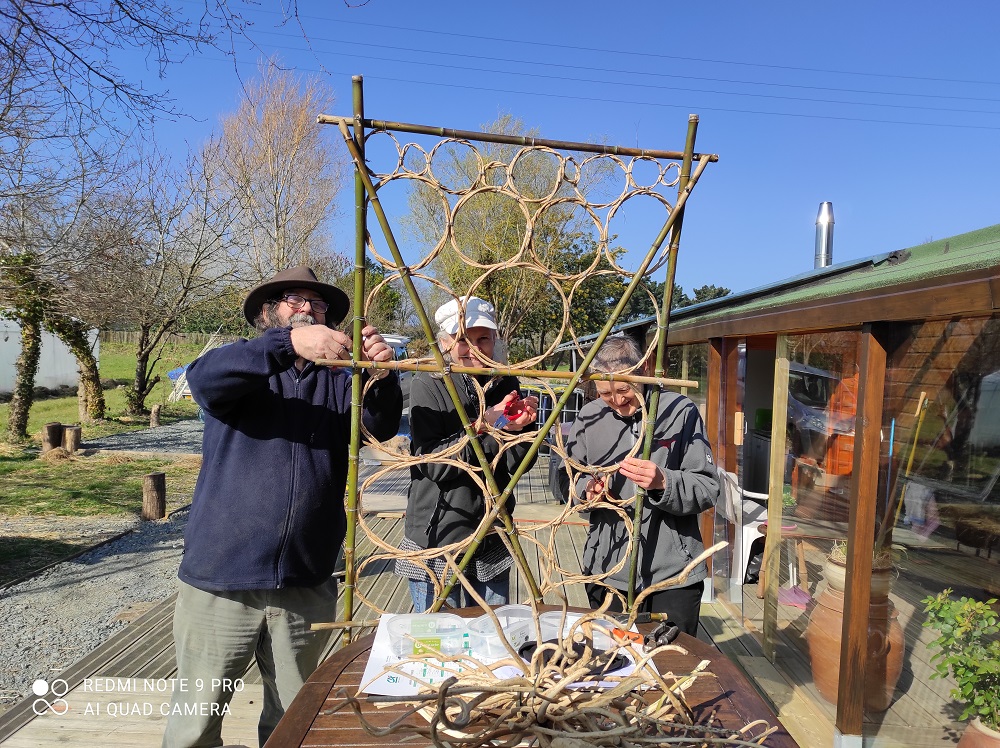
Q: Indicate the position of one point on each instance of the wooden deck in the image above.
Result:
(140, 659)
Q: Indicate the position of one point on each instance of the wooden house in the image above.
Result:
(855, 405)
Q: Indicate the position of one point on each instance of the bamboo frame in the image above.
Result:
(353, 132)
(487, 137)
(499, 511)
(415, 365)
(661, 353)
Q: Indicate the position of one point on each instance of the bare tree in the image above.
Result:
(283, 172)
(39, 225)
(161, 243)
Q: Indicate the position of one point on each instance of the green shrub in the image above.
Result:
(969, 650)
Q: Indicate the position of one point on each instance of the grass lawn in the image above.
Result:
(118, 363)
(38, 488)
(85, 486)
(19, 556)
(79, 486)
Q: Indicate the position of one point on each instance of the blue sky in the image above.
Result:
(889, 110)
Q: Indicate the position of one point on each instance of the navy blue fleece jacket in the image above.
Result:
(268, 508)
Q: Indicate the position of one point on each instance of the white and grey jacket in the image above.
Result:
(670, 534)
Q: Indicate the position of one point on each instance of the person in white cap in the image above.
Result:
(445, 505)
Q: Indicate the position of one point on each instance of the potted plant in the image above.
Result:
(969, 649)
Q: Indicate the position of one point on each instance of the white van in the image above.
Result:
(398, 345)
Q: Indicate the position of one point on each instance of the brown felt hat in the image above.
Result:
(297, 277)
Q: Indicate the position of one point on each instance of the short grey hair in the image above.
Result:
(618, 353)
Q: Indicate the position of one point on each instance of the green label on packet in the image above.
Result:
(433, 644)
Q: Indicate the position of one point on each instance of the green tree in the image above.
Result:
(709, 292)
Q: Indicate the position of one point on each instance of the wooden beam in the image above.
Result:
(970, 293)
(714, 417)
(861, 534)
(776, 487)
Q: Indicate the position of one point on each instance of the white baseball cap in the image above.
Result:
(478, 313)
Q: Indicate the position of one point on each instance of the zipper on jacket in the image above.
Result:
(288, 509)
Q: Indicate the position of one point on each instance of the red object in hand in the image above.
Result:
(511, 411)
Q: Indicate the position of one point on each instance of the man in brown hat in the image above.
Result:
(267, 518)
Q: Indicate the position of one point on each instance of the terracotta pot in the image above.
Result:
(835, 573)
(884, 651)
(978, 735)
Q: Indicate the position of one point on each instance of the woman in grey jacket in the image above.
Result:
(445, 505)
(680, 482)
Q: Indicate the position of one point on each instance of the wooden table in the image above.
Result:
(730, 694)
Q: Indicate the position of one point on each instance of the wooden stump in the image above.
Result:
(52, 436)
(154, 496)
(71, 438)
(154, 416)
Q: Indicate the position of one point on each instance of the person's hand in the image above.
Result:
(523, 412)
(314, 342)
(374, 348)
(644, 473)
(593, 490)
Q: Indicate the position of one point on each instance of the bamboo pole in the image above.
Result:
(661, 353)
(488, 137)
(443, 366)
(601, 337)
(415, 365)
(353, 460)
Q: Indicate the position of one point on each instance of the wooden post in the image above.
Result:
(71, 438)
(154, 416)
(771, 564)
(854, 654)
(52, 436)
(154, 496)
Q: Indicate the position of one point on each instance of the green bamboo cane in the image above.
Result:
(405, 275)
(360, 223)
(653, 404)
(578, 375)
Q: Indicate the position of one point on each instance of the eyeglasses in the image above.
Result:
(297, 302)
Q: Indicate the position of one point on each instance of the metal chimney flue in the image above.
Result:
(824, 236)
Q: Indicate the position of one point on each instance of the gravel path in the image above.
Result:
(51, 620)
(183, 436)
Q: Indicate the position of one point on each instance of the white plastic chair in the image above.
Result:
(745, 510)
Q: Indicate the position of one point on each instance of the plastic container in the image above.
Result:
(418, 633)
(516, 622)
(550, 628)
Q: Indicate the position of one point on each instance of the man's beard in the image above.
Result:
(273, 319)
